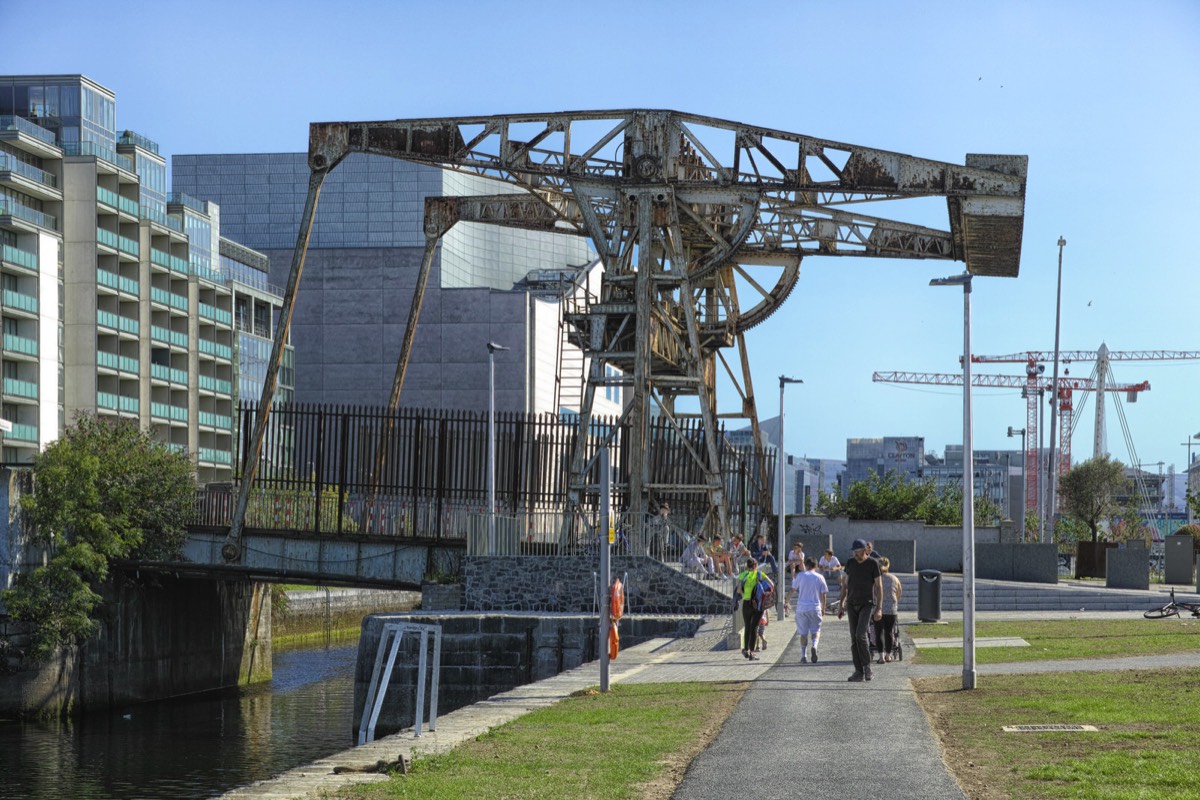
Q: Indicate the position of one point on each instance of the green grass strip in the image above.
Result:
(1149, 721)
(1064, 639)
(591, 747)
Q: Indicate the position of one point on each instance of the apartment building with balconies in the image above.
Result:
(117, 299)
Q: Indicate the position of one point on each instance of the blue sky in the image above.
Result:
(1103, 97)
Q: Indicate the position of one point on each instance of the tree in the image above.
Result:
(891, 496)
(103, 490)
(1090, 491)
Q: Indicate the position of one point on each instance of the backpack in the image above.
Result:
(763, 596)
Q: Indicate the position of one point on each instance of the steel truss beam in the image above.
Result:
(685, 211)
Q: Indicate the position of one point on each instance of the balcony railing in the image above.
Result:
(112, 280)
(24, 302)
(213, 349)
(214, 420)
(154, 215)
(130, 137)
(127, 245)
(14, 123)
(11, 208)
(99, 151)
(179, 265)
(22, 433)
(115, 361)
(211, 384)
(106, 400)
(216, 314)
(195, 204)
(10, 164)
(163, 372)
(127, 205)
(20, 344)
(161, 334)
(22, 258)
(20, 388)
(128, 404)
(213, 456)
(107, 238)
(108, 319)
(160, 258)
(178, 301)
(106, 196)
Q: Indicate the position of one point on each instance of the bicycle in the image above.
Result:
(1173, 608)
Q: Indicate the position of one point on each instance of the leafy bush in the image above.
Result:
(103, 490)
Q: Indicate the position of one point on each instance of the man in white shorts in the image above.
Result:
(810, 589)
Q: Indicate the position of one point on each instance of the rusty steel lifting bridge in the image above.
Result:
(701, 224)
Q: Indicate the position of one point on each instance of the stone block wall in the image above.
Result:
(938, 547)
(1128, 568)
(1033, 563)
(567, 584)
(485, 654)
(901, 554)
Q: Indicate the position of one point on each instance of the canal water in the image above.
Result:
(194, 747)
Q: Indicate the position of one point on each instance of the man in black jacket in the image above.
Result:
(863, 583)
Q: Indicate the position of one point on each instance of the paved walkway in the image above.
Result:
(808, 726)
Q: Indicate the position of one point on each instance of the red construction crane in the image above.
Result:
(1033, 360)
(1033, 383)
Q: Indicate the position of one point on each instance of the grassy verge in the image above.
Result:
(632, 742)
(1149, 721)
(1059, 639)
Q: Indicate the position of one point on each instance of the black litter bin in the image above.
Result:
(929, 595)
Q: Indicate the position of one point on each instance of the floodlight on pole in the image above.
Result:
(491, 471)
(968, 479)
(781, 553)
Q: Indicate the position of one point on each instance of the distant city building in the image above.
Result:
(488, 284)
(904, 455)
(117, 299)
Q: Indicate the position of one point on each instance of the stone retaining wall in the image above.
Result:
(567, 584)
(485, 654)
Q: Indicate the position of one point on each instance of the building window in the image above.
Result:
(612, 392)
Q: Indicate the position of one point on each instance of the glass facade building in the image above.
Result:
(113, 300)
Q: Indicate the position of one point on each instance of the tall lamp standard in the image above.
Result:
(1024, 500)
(781, 553)
(968, 479)
(1052, 506)
(491, 469)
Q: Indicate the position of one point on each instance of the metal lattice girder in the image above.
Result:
(683, 210)
(718, 167)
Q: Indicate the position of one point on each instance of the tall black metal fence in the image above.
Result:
(338, 469)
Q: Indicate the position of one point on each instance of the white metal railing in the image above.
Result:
(389, 642)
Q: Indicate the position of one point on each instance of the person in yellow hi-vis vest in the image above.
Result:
(752, 611)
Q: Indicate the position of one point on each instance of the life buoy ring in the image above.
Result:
(617, 605)
(614, 641)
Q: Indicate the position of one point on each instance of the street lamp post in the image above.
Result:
(781, 553)
(968, 478)
(1024, 500)
(491, 471)
(1052, 506)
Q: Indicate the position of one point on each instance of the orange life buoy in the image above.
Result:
(614, 641)
(617, 605)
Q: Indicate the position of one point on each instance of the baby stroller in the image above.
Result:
(877, 649)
